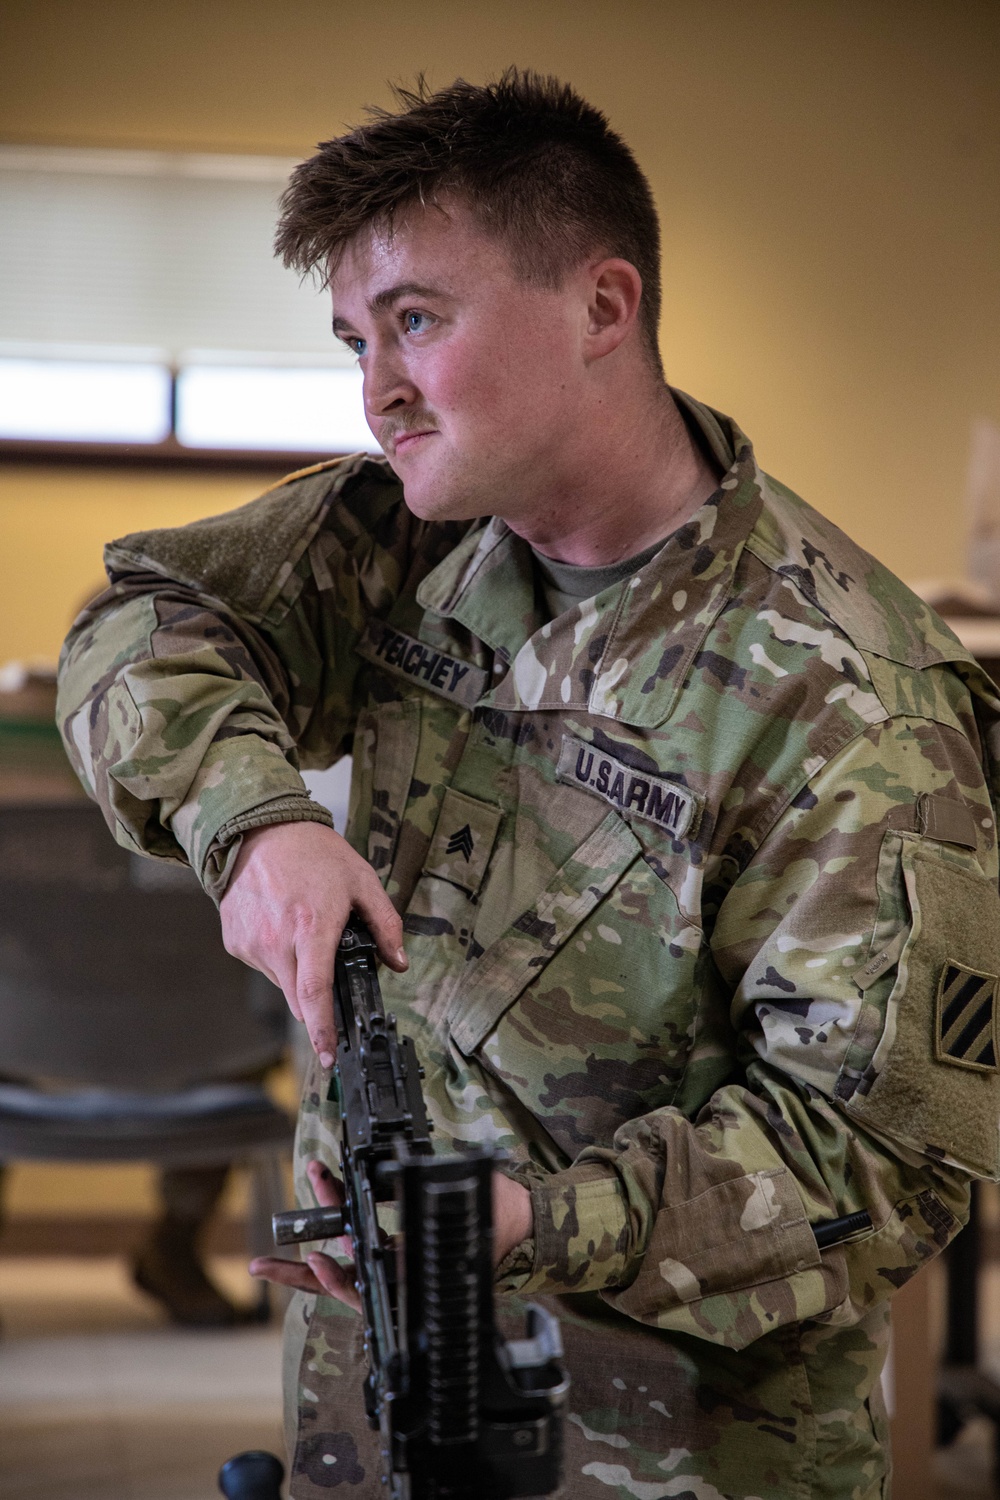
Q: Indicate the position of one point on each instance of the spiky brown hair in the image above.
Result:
(539, 168)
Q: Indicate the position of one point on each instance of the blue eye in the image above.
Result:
(357, 346)
(414, 321)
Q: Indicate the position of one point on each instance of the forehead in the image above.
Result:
(438, 244)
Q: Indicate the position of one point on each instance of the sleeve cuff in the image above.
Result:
(582, 1237)
(292, 809)
(221, 858)
(243, 782)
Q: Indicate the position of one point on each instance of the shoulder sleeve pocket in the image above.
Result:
(245, 556)
(933, 1082)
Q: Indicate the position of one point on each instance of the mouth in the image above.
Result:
(407, 441)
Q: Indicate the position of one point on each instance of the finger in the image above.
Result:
(292, 1273)
(321, 1277)
(386, 925)
(336, 1280)
(313, 992)
(329, 1192)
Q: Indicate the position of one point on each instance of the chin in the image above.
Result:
(439, 507)
(441, 500)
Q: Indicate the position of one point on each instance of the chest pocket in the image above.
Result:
(394, 734)
(404, 752)
(583, 1006)
(463, 841)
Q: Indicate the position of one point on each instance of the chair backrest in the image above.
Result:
(112, 969)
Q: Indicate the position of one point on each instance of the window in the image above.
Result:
(84, 401)
(252, 406)
(142, 313)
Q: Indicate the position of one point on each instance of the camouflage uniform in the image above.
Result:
(699, 882)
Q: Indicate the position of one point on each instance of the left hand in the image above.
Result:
(513, 1220)
(319, 1274)
(325, 1277)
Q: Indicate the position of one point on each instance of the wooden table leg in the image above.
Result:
(913, 1389)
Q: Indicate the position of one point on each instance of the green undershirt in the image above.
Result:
(565, 584)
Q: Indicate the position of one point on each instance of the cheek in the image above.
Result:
(499, 386)
(469, 390)
(470, 385)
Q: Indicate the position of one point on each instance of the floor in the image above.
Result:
(965, 1469)
(100, 1401)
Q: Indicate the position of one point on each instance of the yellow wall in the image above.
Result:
(826, 173)
(54, 521)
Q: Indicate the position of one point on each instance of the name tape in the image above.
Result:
(447, 675)
(635, 793)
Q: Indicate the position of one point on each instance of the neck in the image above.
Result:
(634, 476)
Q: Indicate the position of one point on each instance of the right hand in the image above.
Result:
(291, 893)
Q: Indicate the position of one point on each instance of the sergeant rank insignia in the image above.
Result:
(461, 842)
(966, 1019)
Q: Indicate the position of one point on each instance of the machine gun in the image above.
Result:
(461, 1411)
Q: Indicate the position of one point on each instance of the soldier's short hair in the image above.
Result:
(539, 168)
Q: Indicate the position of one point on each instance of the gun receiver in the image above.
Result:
(461, 1411)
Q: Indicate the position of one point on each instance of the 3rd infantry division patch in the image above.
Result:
(966, 1019)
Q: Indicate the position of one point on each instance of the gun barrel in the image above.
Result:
(303, 1224)
(461, 1411)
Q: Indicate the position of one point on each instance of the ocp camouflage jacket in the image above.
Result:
(699, 882)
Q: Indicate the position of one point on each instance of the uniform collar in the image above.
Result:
(488, 584)
(625, 654)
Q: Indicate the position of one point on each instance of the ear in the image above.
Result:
(615, 293)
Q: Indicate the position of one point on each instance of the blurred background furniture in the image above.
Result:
(965, 1389)
(127, 1033)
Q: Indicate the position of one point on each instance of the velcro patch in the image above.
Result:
(635, 794)
(945, 819)
(966, 1019)
(447, 675)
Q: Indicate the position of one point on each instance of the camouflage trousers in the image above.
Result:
(650, 1414)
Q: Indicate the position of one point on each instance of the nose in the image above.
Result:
(386, 388)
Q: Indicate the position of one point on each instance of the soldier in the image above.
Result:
(682, 805)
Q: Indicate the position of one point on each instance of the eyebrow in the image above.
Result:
(391, 294)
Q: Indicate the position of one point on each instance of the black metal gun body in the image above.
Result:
(461, 1412)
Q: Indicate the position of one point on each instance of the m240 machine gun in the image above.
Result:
(461, 1411)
